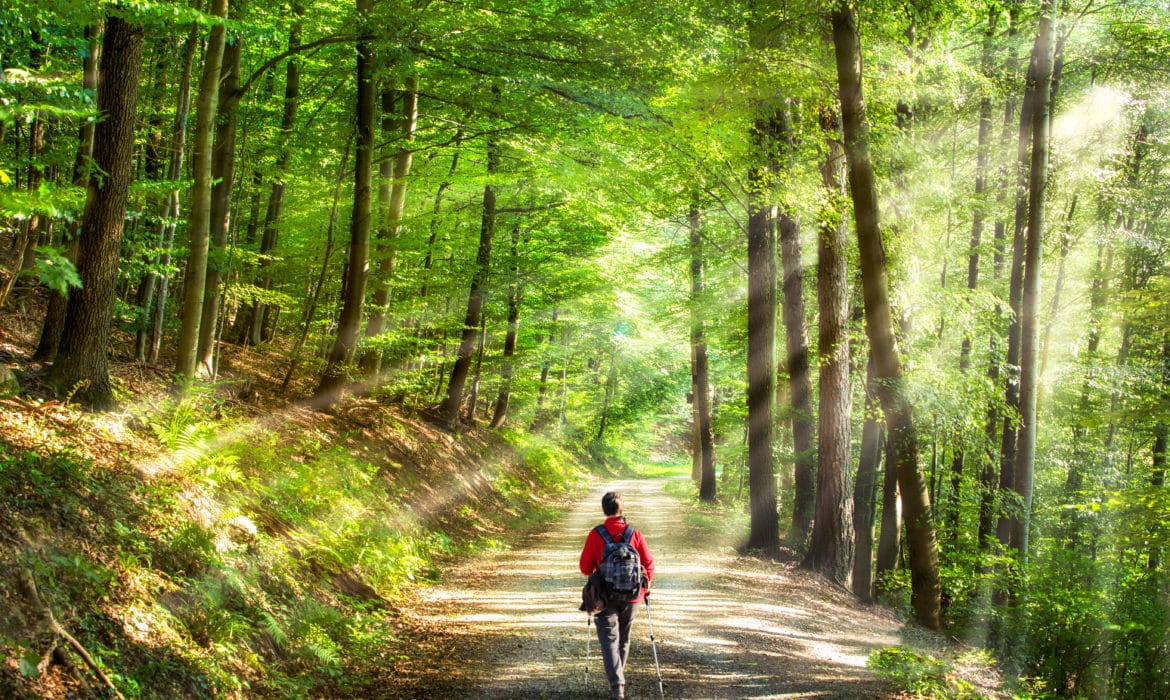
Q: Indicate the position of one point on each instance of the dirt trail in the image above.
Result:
(507, 626)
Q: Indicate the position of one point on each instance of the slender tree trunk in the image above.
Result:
(263, 316)
(761, 361)
(799, 381)
(223, 172)
(978, 215)
(449, 409)
(473, 395)
(988, 476)
(1030, 328)
(704, 442)
(501, 411)
(1066, 243)
(371, 362)
(82, 364)
(830, 549)
(545, 366)
(54, 323)
(864, 503)
(920, 535)
(333, 378)
(610, 391)
(200, 217)
(1007, 477)
(434, 222)
(315, 297)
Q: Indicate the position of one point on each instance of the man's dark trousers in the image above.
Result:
(613, 633)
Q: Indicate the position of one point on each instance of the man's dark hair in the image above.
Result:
(611, 503)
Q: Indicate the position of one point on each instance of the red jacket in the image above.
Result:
(595, 547)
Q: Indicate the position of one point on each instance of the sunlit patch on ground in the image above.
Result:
(507, 625)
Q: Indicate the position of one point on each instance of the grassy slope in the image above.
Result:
(216, 548)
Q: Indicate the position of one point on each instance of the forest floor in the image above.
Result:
(506, 625)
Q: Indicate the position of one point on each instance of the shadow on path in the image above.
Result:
(507, 626)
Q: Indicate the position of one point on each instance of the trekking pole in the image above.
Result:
(588, 619)
(654, 646)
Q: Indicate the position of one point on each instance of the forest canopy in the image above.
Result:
(892, 274)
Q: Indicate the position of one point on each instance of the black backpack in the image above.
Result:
(621, 566)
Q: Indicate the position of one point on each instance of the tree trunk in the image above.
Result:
(473, 395)
(82, 364)
(799, 381)
(199, 220)
(223, 171)
(863, 495)
(1007, 450)
(1030, 328)
(830, 550)
(700, 384)
(978, 215)
(262, 314)
(879, 325)
(371, 362)
(538, 417)
(610, 391)
(449, 409)
(501, 411)
(333, 378)
(988, 475)
(315, 296)
(54, 323)
(764, 531)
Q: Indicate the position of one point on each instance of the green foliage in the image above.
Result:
(926, 676)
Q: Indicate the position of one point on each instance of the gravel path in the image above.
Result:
(507, 626)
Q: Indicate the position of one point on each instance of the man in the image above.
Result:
(613, 623)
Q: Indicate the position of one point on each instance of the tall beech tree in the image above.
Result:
(259, 313)
(831, 547)
(922, 548)
(797, 364)
(392, 197)
(199, 218)
(449, 408)
(1030, 327)
(703, 442)
(82, 362)
(761, 324)
(333, 377)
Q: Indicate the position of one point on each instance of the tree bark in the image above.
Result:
(704, 442)
(830, 549)
(799, 380)
(449, 408)
(500, 413)
(223, 172)
(920, 535)
(315, 297)
(764, 531)
(1007, 479)
(270, 238)
(333, 378)
(170, 213)
(1030, 328)
(54, 323)
(538, 417)
(82, 365)
(863, 495)
(199, 220)
(371, 362)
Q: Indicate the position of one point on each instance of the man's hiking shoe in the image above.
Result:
(619, 693)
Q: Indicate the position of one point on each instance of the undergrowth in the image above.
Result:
(254, 559)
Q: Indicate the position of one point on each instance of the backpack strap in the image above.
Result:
(628, 534)
(605, 536)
